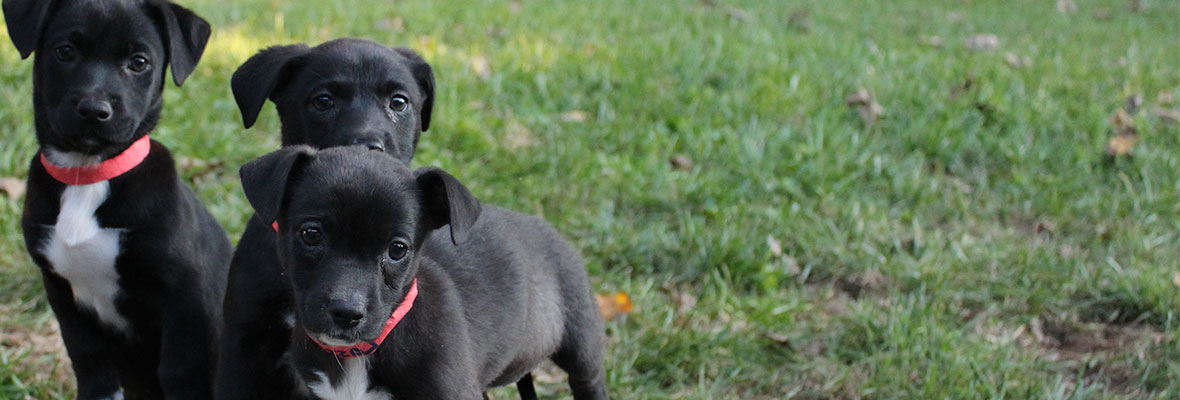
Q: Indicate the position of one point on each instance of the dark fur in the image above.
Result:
(488, 312)
(173, 255)
(365, 74)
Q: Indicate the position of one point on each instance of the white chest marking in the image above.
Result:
(84, 253)
(353, 385)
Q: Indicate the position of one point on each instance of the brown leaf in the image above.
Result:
(737, 14)
(1170, 116)
(518, 136)
(199, 169)
(1122, 120)
(1017, 62)
(614, 305)
(681, 162)
(578, 116)
(982, 42)
(14, 187)
(779, 338)
(480, 66)
(800, 20)
(866, 106)
(1176, 279)
(1066, 6)
(1121, 144)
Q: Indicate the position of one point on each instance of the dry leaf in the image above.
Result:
(1176, 279)
(1164, 97)
(199, 169)
(684, 299)
(1066, 6)
(1133, 103)
(614, 305)
(737, 14)
(480, 66)
(866, 106)
(1138, 6)
(1125, 135)
(514, 6)
(776, 247)
(932, 41)
(1170, 116)
(1102, 13)
(578, 116)
(681, 162)
(1017, 62)
(778, 338)
(800, 20)
(14, 187)
(982, 42)
(518, 136)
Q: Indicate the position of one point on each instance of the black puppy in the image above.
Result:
(384, 309)
(132, 263)
(342, 92)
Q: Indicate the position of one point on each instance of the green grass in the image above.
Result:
(973, 243)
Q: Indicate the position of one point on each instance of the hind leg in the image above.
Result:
(581, 355)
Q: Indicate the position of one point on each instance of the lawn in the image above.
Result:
(956, 230)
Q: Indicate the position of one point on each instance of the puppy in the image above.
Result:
(342, 92)
(385, 309)
(132, 263)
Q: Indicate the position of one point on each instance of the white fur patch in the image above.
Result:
(353, 385)
(84, 253)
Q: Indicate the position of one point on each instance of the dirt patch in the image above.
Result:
(1101, 353)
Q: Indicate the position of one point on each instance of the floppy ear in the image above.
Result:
(261, 76)
(265, 179)
(425, 77)
(446, 201)
(26, 19)
(187, 35)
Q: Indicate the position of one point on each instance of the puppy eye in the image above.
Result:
(398, 250)
(138, 64)
(311, 236)
(398, 103)
(322, 102)
(64, 52)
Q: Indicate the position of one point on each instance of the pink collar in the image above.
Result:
(366, 348)
(106, 170)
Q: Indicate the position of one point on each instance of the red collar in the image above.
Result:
(366, 348)
(106, 170)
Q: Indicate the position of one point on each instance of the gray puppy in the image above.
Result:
(385, 309)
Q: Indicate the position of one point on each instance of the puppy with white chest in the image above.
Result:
(385, 309)
(132, 263)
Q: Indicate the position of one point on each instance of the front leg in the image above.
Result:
(90, 346)
(188, 341)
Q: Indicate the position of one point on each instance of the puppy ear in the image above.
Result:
(425, 77)
(261, 76)
(446, 201)
(187, 35)
(265, 179)
(26, 20)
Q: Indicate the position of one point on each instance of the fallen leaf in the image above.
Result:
(1045, 226)
(737, 14)
(1164, 97)
(1176, 279)
(480, 66)
(779, 338)
(198, 169)
(1066, 6)
(800, 20)
(14, 187)
(1017, 62)
(776, 247)
(1133, 103)
(866, 106)
(932, 41)
(1102, 13)
(982, 42)
(578, 116)
(514, 6)
(681, 162)
(1170, 116)
(517, 136)
(1138, 6)
(684, 299)
(1125, 135)
(614, 305)
(963, 87)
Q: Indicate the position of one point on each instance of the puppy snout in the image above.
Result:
(346, 314)
(372, 144)
(95, 110)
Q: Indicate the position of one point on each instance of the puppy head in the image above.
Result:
(342, 92)
(99, 67)
(351, 224)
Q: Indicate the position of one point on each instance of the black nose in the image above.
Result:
(346, 314)
(372, 144)
(93, 109)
